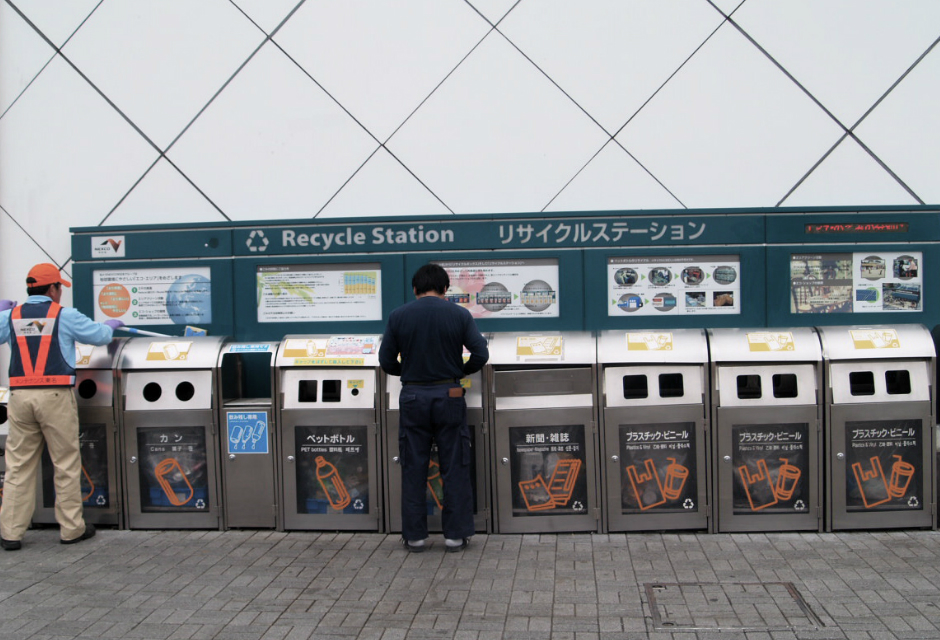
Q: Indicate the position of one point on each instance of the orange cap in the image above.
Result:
(45, 273)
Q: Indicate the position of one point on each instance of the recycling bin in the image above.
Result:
(654, 421)
(328, 425)
(170, 436)
(880, 417)
(98, 439)
(435, 491)
(542, 389)
(246, 420)
(766, 423)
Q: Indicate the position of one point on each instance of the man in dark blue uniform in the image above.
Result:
(430, 334)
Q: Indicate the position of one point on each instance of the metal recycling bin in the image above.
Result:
(246, 419)
(542, 401)
(766, 425)
(478, 469)
(653, 387)
(880, 417)
(170, 433)
(328, 424)
(98, 438)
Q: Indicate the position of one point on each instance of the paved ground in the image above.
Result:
(267, 585)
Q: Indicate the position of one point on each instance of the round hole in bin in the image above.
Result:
(185, 391)
(87, 389)
(152, 392)
(355, 392)
(3, 413)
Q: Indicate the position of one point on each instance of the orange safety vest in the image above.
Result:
(44, 373)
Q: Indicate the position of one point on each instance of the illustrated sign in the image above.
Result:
(247, 431)
(771, 468)
(677, 285)
(153, 296)
(317, 293)
(173, 469)
(332, 470)
(540, 347)
(883, 465)
(658, 471)
(649, 341)
(334, 351)
(504, 288)
(875, 338)
(876, 282)
(770, 341)
(93, 448)
(169, 350)
(548, 470)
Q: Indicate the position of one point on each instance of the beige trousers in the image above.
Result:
(37, 415)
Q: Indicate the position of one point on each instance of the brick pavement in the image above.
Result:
(254, 585)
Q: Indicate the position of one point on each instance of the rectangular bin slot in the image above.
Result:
(307, 391)
(785, 385)
(331, 391)
(898, 382)
(671, 385)
(749, 387)
(862, 383)
(635, 387)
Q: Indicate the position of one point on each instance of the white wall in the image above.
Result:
(162, 111)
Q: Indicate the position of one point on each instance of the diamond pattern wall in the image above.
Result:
(130, 111)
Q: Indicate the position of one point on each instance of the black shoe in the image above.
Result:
(457, 547)
(89, 533)
(414, 548)
(10, 545)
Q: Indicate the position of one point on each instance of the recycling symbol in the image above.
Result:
(577, 506)
(913, 502)
(688, 504)
(358, 505)
(101, 501)
(799, 505)
(256, 241)
(200, 504)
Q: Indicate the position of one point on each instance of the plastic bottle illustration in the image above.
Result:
(676, 475)
(788, 477)
(332, 484)
(235, 434)
(174, 482)
(258, 432)
(901, 474)
(436, 484)
(88, 487)
(752, 480)
(647, 486)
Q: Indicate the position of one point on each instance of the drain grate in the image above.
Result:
(736, 606)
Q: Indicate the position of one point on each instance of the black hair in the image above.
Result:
(38, 291)
(430, 277)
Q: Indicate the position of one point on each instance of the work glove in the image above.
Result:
(114, 324)
(6, 305)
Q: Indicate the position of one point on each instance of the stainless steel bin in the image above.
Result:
(654, 421)
(328, 423)
(170, 412)
(246, 419)
(542, 397)
(478, 470)
(880, 417)
(98, 437)
(767, 423)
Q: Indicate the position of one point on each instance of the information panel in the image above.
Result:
(675, 285)
(93, 448)
(658, 473)
(883, 465)
(332, 469)
(876, 282)
(771, 468)
(318, 293)
(140, 297)
(523, 288)
(173, 469)
(547, 470)
(247, 432)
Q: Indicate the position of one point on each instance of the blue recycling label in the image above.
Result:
(247, 431)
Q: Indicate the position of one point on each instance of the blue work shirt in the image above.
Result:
(74, 326)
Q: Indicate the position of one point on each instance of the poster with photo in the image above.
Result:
(317, 293)
(676, 285)
(505, 288)
(141, 297)
(861, 282)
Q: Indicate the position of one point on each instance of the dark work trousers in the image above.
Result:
(428, 414)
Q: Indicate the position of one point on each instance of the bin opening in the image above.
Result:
(87, 389)
(185, 391)
(152, 391)
(671, 385)
(862, 383)
(749, 387)
(331, 391)
(635, 387)
(246, 375)
(307, 391)
(898, 382)
(785, 385)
